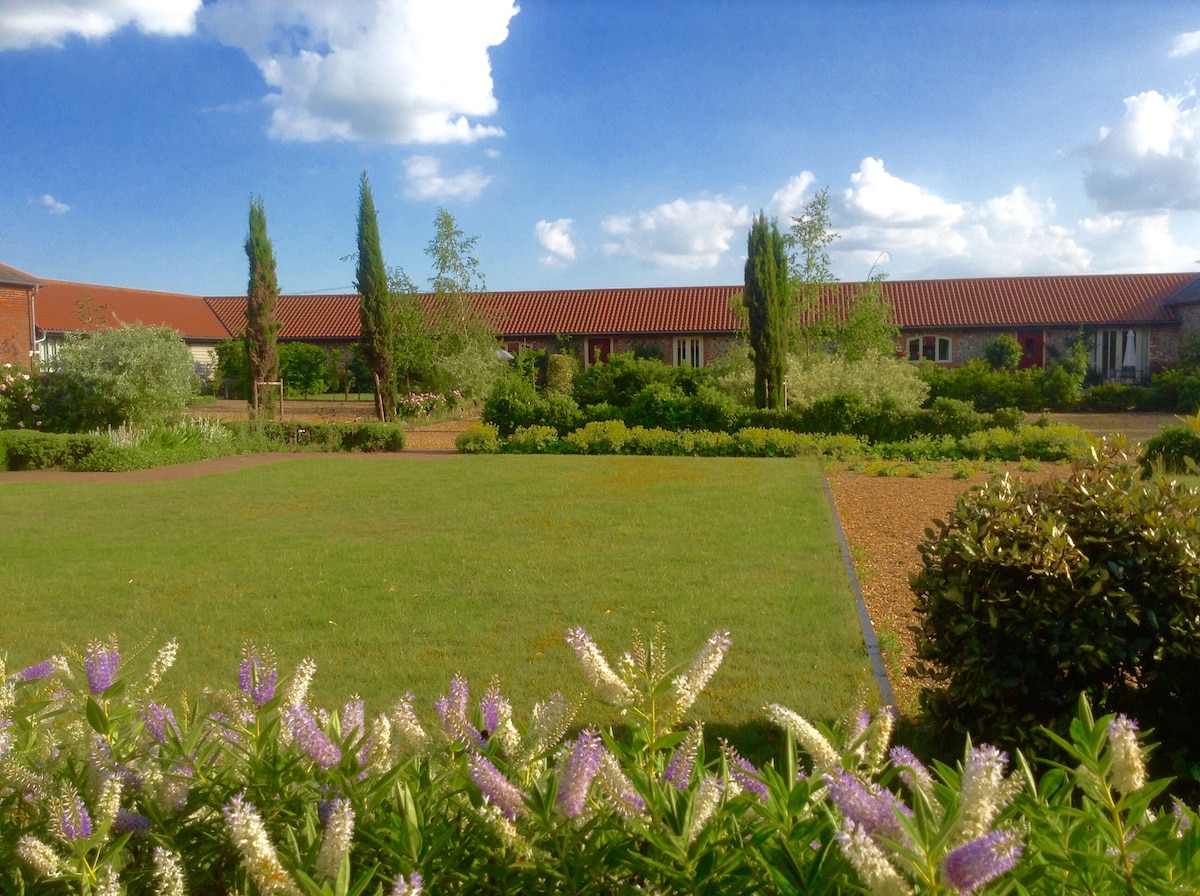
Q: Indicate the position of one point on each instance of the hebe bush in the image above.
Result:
(1030, 594)
(26, 450)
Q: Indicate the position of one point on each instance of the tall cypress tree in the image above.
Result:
(767, 301)
(262, 297)
(375, 307)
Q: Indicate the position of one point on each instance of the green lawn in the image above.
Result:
(396, 573)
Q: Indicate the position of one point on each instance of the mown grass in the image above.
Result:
(395, 574)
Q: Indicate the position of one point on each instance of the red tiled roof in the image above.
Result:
(70, 307)
(302, 317)
(13, 277)
(1046, 301)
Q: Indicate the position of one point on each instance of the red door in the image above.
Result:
(598, 351)
(1033, 348)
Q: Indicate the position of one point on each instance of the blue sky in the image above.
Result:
(596, 144)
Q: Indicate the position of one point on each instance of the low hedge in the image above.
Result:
(27, 450)
(298, 435)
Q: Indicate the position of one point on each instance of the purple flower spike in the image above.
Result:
(496, 788)
(742, 771)
(311, 740)
(41, 670)
(873, 812)
(131, 822)
(411, 887)
(74, 819)
(452, 710)
(158, 720)
(581, 769)
(973, 864)
(257, 677)
(679, 769)
(101, 665)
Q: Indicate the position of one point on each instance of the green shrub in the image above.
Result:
(954, 417)
(532, 440)
(1004, 353)
(836, 414)
(622, 377)
(873, 381)
(755, 442)
(1029, 595)
(599, 437)
(1177, 391)
(513, 402)
(1171, 448)
(1009, 418)
(560, 412)
(660, 405)
(660, 442)
(25, 450)
(134, 374)
(371, 437)
(302, 368)
(479, 438)
(20, 399)
(560, 374)
(1117, 397)
(706, 444)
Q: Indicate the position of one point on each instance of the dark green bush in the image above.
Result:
(955, 417)
(560, 411)
(624, 376)
(1031, 594)
(371, 437)
(1009, 418)
(1032, 389)
(513, 402)
(1118, 397)
(1172, 448)
(1004, 353)
(839, 414)
(1177, 391)
(560, 374)
(26, 450)
(660, 405)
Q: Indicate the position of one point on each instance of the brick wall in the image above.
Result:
(14, 325)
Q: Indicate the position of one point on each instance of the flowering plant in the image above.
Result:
(20, 406)
(426, 404)
(105, 788)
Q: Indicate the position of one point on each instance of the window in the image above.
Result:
(689, 351)
(1119, 353)
(929, 348)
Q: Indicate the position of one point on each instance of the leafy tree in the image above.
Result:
(466, 356)
(375, 306)
(812, 274)
(233, 368)
(414, 340)
(865, 327)
(302, 366)
(136, 374)
(262, 297)
(767, 300)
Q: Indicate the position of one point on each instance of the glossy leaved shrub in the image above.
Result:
(1030, 594)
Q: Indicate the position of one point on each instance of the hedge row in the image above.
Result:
(1046, 443)
(29, 450)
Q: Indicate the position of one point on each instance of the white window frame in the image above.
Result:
(943, 348)
(689, 351)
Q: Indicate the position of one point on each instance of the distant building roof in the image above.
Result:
(301, 317)
(13, 277)
(66, 307)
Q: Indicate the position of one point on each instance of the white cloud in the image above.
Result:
(390, 71)
(33, 23)
(425, 181)
(680, 234)
(1185, 44)
(555, 238)
(1010, 235)
(53, 205)
(788, 201)
(1149, 161)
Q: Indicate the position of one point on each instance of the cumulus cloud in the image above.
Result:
(53, 205)
(555, 238)
(1009, 235)
(35, 23)
(679, 234)
(426, 181)
(788, 201)
(389, 71)
(1185, 44)
(1149, 161)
